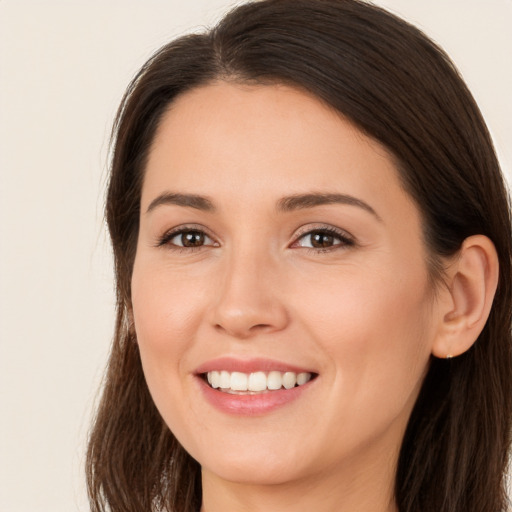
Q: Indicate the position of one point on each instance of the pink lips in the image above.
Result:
(249, 404)
(231, 364)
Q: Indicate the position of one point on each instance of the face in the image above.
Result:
(280, 259)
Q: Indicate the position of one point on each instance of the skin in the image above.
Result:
(362, 314)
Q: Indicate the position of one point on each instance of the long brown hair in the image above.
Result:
(401, 89)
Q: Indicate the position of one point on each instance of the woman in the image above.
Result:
(312, 246)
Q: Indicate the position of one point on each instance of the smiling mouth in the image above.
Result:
(255, 382)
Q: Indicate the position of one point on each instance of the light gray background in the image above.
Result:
(63, 68)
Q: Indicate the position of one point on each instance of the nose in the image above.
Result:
(249, 300)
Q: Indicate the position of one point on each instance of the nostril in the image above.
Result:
(243, 331)
(260, 328)
(247, 316)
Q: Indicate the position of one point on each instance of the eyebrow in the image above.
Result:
(285, 204)
(187, 200)
(303, 201)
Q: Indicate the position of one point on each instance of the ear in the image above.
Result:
(467, 298)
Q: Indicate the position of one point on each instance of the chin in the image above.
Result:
(266, 463)
(254, 472)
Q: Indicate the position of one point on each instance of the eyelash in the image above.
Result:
(166, 238)
(345, 240)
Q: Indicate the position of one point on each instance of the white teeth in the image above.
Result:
(214, 378)
(257, 381)
(289, 380)
(225, 380)
(275, 380)
(302, 378)
(238, 381)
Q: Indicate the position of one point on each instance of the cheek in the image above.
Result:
(166, 320)
(376, 330)
(164, 309)
(362, 300)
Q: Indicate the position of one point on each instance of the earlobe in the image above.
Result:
(470, 288)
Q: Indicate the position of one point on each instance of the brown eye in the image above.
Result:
(191, 239)
(324, 239)
(321, 240)
(187, 239)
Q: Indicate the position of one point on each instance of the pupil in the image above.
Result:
(322, 240)
(192, 239)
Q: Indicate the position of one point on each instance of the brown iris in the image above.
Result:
(321, 240)
(192, 239)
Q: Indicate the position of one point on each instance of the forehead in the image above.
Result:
(230, 140)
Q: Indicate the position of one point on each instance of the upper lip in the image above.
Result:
(232, 364)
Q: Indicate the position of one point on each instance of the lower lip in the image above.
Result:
(251, 405)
